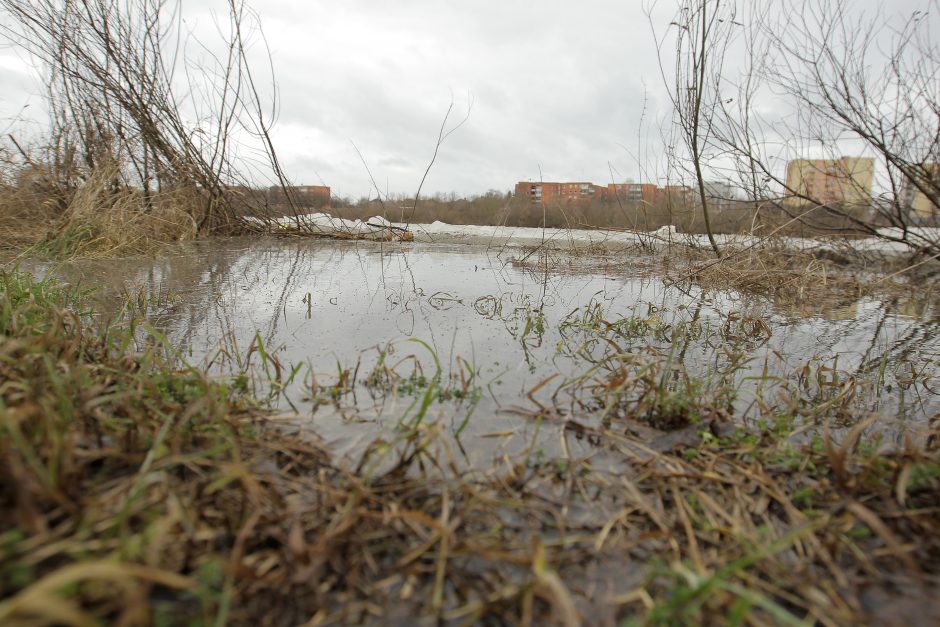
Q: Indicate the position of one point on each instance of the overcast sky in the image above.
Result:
(557, 85)
(559, 90)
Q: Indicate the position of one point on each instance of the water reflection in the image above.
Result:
(499, 329)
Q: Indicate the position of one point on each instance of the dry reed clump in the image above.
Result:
(28, 208)
(98, 218)
(101, 223)
(786, 275)
(135, 492)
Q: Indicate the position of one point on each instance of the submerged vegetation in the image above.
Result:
(136, 489)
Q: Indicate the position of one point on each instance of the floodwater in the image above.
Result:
(504, 328)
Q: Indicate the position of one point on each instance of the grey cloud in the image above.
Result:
(549, 84)
(559, 85)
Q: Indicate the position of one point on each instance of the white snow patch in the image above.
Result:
(441, 232)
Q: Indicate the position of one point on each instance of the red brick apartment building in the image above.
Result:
(305, 195)
(316, 195)
(677, 194)
(633, 192)
(582, 191)
(551, 192)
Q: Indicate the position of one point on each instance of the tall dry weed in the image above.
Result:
(98, 218)
(29, 203)
(788, 276)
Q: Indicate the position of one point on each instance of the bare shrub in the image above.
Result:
(819, 80)
(135, 117)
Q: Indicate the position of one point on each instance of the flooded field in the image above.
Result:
(469, 435)
(361, 336)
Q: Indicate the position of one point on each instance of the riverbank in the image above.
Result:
(136, 489)
(889, 242)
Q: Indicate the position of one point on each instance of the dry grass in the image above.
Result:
(95, 219)
(134, 491)
(787, 275)
(28, 209)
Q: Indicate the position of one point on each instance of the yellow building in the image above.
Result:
(845, 182)
(920, 204)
